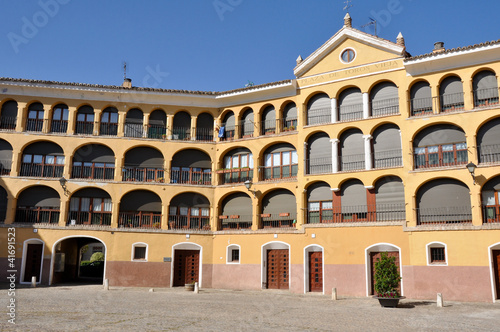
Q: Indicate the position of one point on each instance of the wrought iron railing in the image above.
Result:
(444, 215)
(143, 174)
(205, 134)
(319, 165)
(8, 122)
(452, 102)
(41, 170)
(319, 116)
(358, 213)
(489, 154)
(485, 97)
(235, 175)
(278, 220)
(139, 219)
(37, 214)
(84, 128)
(96, 171)
(191, 175)
(491, 214)
(270, 173)
(181, 133)
(191, 222)
(268, 127)
(352, 162)
(235, 222)
(440, 155)
(35, 125)
(89, 218)
(421, 106)
(287, 124)
(385, 107)
(350, 112)
(157, 132)
(387, 159)
(108, 129)
(59, 126)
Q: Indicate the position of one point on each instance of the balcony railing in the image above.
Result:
(491, 214)
(278, 220)
(489, 154)
(37, 214)
(228, 134)
(5, 166)
(108, 129)
(8, 122)
(143, 174)
(205, 134)
(287, 124)
(440, 155)
(139, 219)
(34, 125)
(235, 222)
(59, 126)
(444, 215)
(387, 159)
(134, 130)
(181, 133)
(270, 173)
(352, 162)
(268, 127)
(96, 171)
(319, 116)
(157, 132)
(421, 106)
(452, 102)
(485, 97)
(193, 175)
(89, 218)
(189, 222)
(360, 213)
(41, 170)
(350, 112)
(84, 128)
(246, 129)
(319, 165)
(385, 107)
(236, 175)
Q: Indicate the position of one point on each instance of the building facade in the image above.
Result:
(298, 184)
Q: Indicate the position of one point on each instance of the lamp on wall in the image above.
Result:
(248, 185)
(472, 168)
(62, 182)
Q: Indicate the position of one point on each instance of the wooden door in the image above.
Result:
(496, 270)
(374, 257)
(33, 262)
(278, 269)
(316, 271)
(186, 267)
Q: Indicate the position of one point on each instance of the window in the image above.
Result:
(233, 254)
(441, 155)
(90, 211)
(139, 252)
(42, 165)
(436, 254)
(348, 55)
(280, 165)
(237, 168)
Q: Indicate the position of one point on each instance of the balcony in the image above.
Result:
(190, 221)
(281, 172)
(204, 134)
(385, 107)
(8, 123)
(143, 174)
(421, 106)
(95, 171)
(181, 133)
(191, 175)
(319, 166)
(388, 159)
(350, 112)
(440, 155)
(352, 162)
(45, 170)
(84, 128)
(484, 98)
(235, 175)
(89, 218)
(34, 125)
(59, 126)
(319, 116)
(360, 213)
(37, 214)
(491, 214)
(489, 154)
(235, 222)
(139, 219)
(278, 220)
(444, 215)
(453, 102)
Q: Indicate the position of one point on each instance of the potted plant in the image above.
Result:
(387, 280)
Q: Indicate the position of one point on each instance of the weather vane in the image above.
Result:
(124, 70)
(347, 5)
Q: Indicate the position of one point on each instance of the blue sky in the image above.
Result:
(212, 45)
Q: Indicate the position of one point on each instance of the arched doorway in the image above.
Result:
(276, 265)
(373, 253)
(495, 271)
(66, 262)
(186, 268)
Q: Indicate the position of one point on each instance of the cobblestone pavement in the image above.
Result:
(90, 308)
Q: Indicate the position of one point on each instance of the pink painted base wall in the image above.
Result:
(350, 280)
(138, 274)
(236, 276)
(456, 283)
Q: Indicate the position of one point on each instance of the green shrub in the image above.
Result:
(387, 277)
(97, 256)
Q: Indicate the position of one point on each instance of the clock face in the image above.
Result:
(348, 55)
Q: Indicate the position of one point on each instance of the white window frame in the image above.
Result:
(436, 245)
(229, 253)
(141, 245)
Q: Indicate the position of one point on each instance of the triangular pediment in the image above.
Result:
(367, 49)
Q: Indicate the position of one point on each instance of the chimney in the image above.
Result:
(438, 47)
(348, 21)
(127, 83)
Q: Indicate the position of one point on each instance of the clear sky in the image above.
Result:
(212, 45)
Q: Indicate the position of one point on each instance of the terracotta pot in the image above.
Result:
(388, 302)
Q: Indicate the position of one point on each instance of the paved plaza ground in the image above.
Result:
(90, 308)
